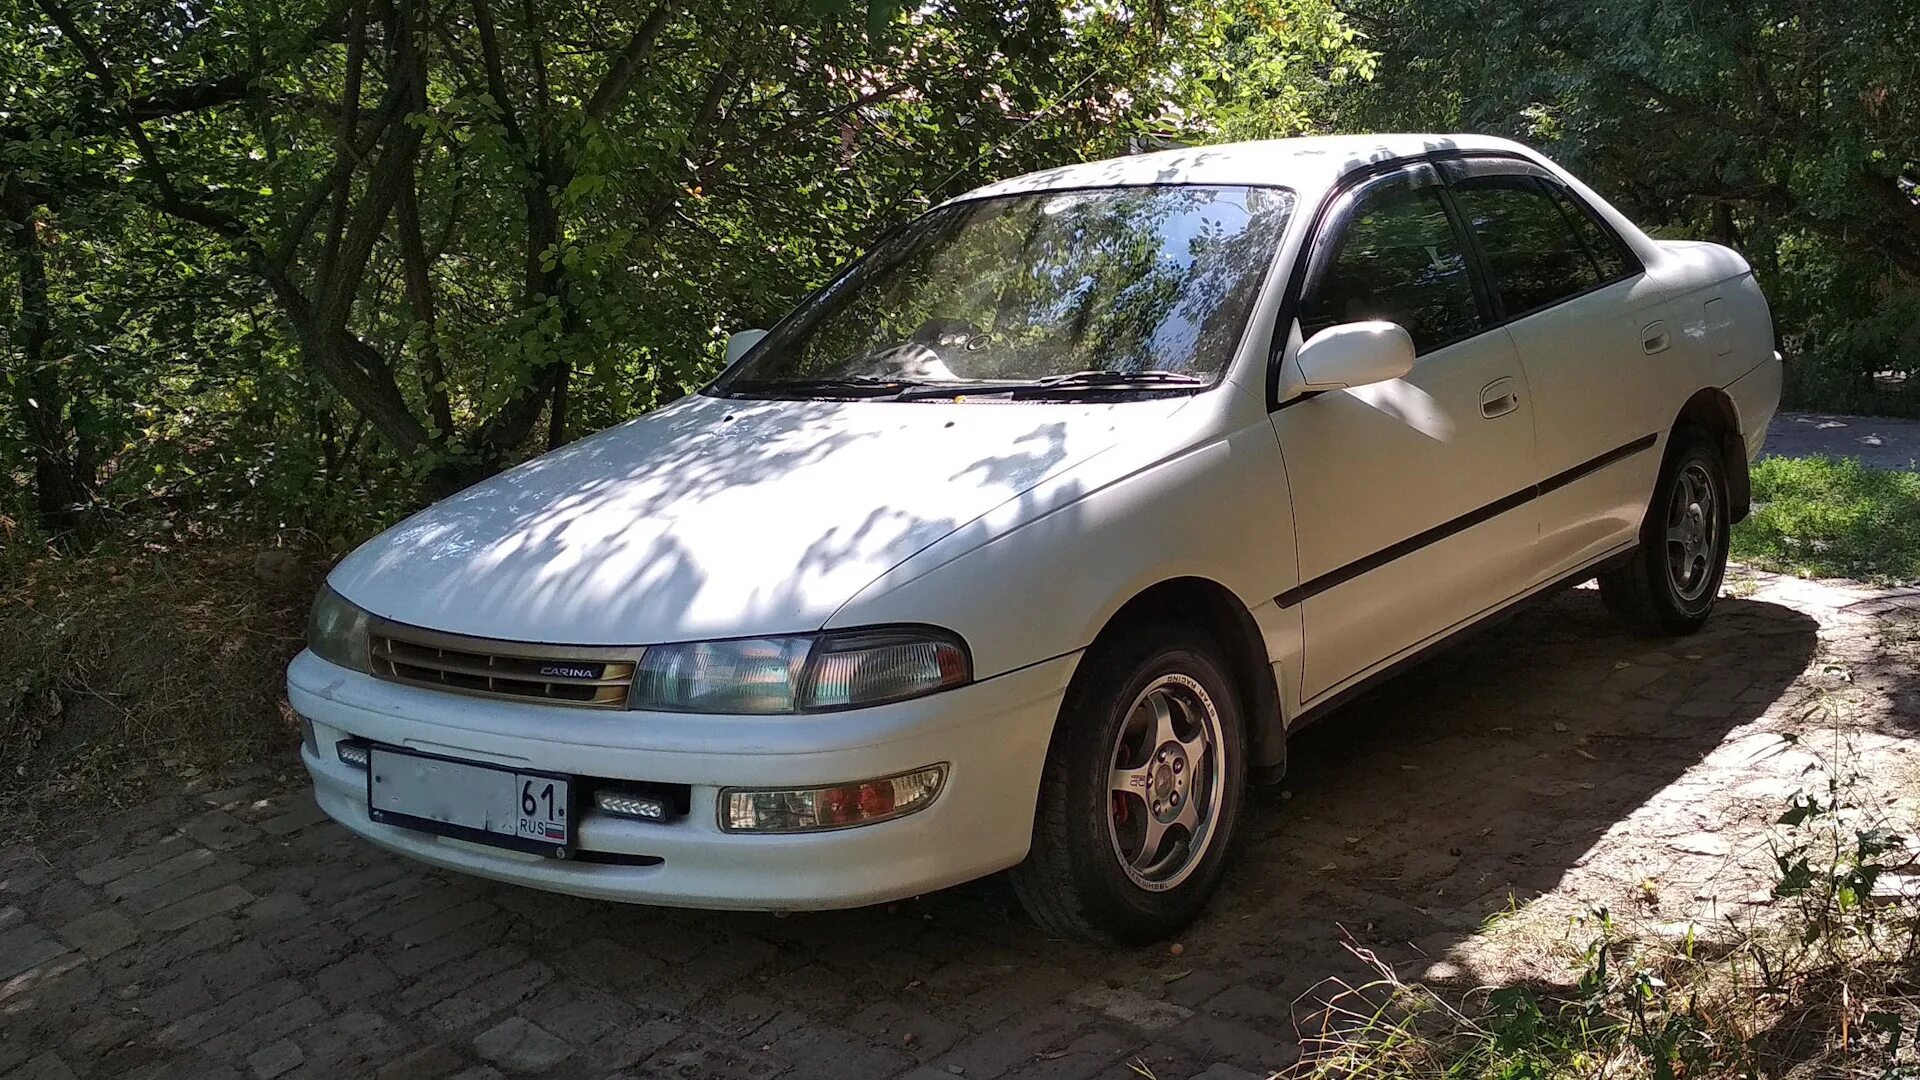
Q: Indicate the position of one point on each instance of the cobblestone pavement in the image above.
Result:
(1552, 760)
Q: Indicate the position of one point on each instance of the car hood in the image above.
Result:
(716, 518)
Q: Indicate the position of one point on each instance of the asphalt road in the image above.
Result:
(1875, 440)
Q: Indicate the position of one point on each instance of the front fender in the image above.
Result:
(1091, 540)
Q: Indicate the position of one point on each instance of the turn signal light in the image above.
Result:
(841, 806)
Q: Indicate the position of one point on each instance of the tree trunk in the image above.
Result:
(60, 491)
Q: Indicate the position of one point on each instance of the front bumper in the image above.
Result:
(992, 734)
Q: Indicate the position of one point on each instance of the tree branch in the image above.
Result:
(613, 86)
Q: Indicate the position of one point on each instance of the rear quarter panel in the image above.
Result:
(1726, 337)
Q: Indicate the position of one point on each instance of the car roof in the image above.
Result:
(1308, 165)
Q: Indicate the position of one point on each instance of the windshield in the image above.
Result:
(1111, 288)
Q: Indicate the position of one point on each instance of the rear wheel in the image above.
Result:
(1670, 584)
(1141, 793)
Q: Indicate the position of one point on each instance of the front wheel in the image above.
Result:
(1670, 584)
(1141, 793)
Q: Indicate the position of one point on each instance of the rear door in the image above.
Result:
(1563, 284)
(1412, 498)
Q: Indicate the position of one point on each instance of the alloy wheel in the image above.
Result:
(1164, 788)
(1693, 533)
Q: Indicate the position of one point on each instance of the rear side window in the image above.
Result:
(1398, 259)
(1534, 254)
(1608, 253)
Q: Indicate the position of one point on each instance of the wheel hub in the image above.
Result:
(1169, 786)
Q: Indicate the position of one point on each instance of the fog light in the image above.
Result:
(627, 804)
(351, 753)
(840, 806)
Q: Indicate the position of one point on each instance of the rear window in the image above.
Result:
(1534, 252)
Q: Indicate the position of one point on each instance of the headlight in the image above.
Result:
(752, 675)
(803, 673)
(337, 631)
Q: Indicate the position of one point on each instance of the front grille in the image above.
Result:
(500, 669)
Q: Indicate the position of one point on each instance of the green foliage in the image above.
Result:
(1828, 517)
(1784, 129)
(309, 263)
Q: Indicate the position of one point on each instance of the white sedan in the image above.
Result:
(1026, 541)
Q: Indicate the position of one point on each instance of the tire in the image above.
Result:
(1669, 585)
(1090, 873)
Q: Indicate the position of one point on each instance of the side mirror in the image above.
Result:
(738, 343)
(1354, 354)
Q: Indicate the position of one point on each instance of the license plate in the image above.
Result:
(482, 803)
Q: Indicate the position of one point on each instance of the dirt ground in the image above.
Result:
(1453, 821)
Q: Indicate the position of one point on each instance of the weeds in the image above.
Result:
(1827, 984)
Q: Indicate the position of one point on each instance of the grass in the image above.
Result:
(1832, 517)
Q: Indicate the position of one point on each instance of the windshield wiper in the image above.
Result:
(839, 385)
(1092, 379)
(1111, 377)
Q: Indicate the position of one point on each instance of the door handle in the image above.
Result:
(1654, 339)
(1498, 398)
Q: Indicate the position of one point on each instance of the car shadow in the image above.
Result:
(1470, 785)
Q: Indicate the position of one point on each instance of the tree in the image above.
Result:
(1786, 129)
(434, 233)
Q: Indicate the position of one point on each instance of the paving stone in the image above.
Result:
(100, 933)
(24, 947)
(24, 878)
(44, 1067)
(275, 1059)
(354, 1043)
(302, 812)
(580, 1015)
(484, 999)
(220, 830)
(695, 1054)
(519, 1045)
(193, 909)
(1133, 1008)
(358, 978)
(199, 880)
(1220, 1070)
(185, 859)
(425, 1063)
(265, 1027)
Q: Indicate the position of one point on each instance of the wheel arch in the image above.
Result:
(1712, 411)
(1216, 610)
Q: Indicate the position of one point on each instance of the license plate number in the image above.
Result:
(482, 803)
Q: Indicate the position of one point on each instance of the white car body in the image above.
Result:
(1337, 535)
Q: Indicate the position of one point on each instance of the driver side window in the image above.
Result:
(1397, 258)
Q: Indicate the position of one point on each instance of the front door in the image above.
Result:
(1412, 499)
